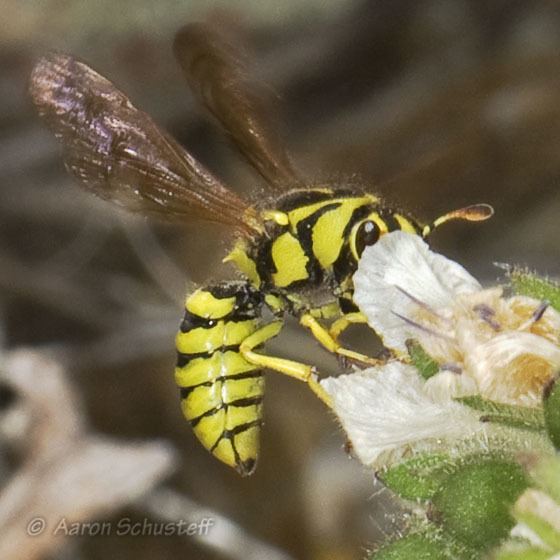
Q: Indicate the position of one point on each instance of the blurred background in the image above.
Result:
(434, 104)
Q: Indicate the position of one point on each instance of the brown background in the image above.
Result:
(435, 104)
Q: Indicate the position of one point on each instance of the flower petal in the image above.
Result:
(513, 367)
(447, 385)
(395, 275)
(386, 412)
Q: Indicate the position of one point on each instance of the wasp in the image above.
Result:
(295, 251)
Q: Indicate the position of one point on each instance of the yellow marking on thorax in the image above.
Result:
(281, 218)
(298, 214)
(274, 302)
(203, 304)
(328, 231)
(298, 302)
(405, 224)
(327, 311)
(289, 259)
(246, 265)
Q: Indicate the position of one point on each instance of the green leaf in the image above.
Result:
(425, 544)
(419, 478)
(515, 416)
(474, 504)
(551, 403)
(418, 546)
(426, 366)
(527, 283)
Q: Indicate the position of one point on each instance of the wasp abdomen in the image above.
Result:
(221, 392)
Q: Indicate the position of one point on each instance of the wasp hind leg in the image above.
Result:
(221, 391)
(298, 370)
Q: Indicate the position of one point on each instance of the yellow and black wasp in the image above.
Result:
(296, 251)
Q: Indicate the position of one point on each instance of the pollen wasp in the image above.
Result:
(296, 251)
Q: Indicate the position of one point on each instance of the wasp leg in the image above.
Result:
(341, 324)
(354, 318)
(298, 370)
(325, 338)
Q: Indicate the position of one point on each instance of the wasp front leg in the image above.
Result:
(328, 338)
(342, 323)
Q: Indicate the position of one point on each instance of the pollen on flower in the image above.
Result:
(529, 374)
(540, 320)
(514, 367)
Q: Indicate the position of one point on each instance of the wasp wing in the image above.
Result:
(217, 72)
(120, 154)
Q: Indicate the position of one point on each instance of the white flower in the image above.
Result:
(399, 274)
(504, 349)
(387, 414)
(448, 384)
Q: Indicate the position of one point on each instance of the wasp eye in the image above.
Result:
(367, 234)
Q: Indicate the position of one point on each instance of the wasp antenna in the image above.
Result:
(473, 213)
